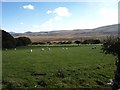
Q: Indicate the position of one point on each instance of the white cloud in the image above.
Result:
(106, 16)
(29, 6)
(50, 24)
(49, 11)
(57, 18)
(59, 12)
(62, 11)
(46, 26)
(109, 15)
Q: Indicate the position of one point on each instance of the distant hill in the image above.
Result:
(71, 34)
(105, 30)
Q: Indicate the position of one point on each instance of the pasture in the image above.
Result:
(75, 67)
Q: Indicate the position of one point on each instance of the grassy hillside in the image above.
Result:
(75, 67)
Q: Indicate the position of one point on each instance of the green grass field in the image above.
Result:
(76, 67)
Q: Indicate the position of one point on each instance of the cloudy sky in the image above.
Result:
(49, 16)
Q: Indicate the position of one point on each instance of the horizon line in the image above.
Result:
(63, 29)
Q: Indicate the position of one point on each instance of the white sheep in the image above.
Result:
(15, 49)
(31, 50)
(93, 47)
(110, 82)
(66, 48)
(35, 86)
(42, 49)
(62, 48)
(49, 49)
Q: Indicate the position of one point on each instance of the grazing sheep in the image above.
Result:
(42, 49)
(49, 49)
(15, 49)
(35, 86)
(62, 48)
(110, 82)
(30, 50)
(93, 47)
(66, 48)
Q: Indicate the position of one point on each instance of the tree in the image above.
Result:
(8, 40)
(96, 41)
(22, 41)
(77, 42)
(112, 46)
(91, 41)
(69, 42)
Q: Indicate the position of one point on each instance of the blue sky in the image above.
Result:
(49, 16)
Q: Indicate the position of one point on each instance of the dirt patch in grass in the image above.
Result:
(38, 74)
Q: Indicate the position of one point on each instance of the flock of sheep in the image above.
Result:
(48, 48)
(42, 49)
(63, 48)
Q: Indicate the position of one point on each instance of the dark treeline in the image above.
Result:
(22, 41)
(8, 41)
(87, 41)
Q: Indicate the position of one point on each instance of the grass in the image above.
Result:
(77, 67)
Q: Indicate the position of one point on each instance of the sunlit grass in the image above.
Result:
(75, 67)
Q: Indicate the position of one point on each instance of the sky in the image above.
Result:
(49, 16)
